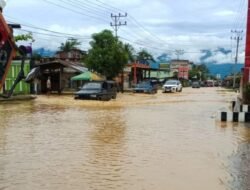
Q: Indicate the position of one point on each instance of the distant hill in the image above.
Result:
(44, 52)
(223, 69)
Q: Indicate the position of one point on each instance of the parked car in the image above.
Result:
(202, 84)
(172, 86)
(145, 87)
(196, 84)
(98, 90)
(216, 83)
(209, 83)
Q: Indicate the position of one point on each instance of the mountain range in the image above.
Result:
(223, 69)
(44, 52)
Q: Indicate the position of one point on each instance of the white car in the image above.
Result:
(172, 86)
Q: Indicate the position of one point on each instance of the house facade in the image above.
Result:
(181, 67)
(72, 55)
(60, 73)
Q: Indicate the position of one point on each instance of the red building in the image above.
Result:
(183, 72)
(181, 67)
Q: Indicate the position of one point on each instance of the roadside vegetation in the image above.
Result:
(108, 55)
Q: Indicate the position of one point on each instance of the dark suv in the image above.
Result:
(98, 90)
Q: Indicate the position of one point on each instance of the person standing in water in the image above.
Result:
(48, 84)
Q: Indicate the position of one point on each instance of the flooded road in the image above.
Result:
(137, 142)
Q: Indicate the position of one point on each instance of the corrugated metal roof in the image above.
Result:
(74, 65)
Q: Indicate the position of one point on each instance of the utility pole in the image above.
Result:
(179, 52)
(117, 23)
(236, 37)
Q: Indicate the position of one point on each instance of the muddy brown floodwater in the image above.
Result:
(136, 142)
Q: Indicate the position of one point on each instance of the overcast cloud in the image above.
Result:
(161, 26)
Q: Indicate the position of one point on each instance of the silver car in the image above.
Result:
(172, 86)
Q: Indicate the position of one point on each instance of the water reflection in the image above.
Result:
(159, 142)
(240, 169)
(239, 161)
(107, 148)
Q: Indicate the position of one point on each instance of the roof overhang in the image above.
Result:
(57, 64)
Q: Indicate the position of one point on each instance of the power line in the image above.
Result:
(91, 5)
(60, 34)
(238, 20)
(112, 8)
(51, 31)
(109, 6)
(144, 45)
(74, 11)
(65, 35)
(100, 7)
(162, 49)
(54, 35)
(83, 7)
(138, 25)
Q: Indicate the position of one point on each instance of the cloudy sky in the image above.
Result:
(202, 29)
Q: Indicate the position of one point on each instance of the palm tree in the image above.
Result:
(144, 55)
(69, 45)
(130, 52)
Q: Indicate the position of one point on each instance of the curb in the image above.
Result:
(243, 107)
(18, 98)
(234, 116)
